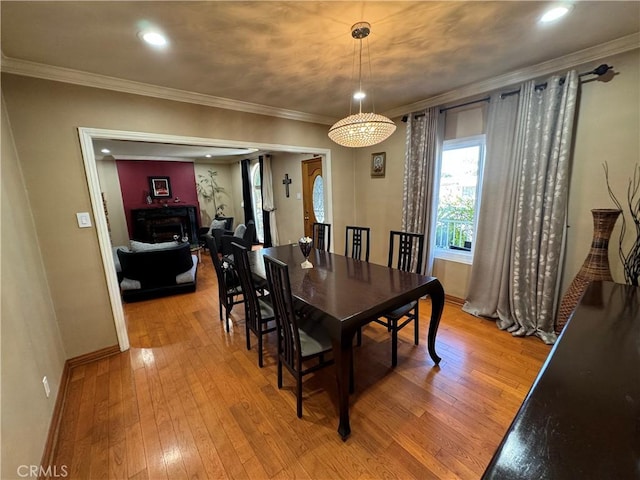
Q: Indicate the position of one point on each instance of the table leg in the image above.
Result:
(343, 351)
(437, 305)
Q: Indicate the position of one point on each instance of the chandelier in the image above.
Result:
(361, 129)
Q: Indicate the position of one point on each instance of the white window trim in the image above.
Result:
(459, 256)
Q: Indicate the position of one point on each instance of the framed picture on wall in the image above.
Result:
(378, 164)
(159, 187)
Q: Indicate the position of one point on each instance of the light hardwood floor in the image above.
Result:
(189, 401)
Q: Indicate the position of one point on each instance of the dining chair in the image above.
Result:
(229, 289)
(354, 239)
(301, 337)
(258, 312)
(243, 235)
(321, 235)
(406, 257)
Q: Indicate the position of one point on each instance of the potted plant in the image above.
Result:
(208, 188)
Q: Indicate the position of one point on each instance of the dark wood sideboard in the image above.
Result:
(581, 418)
(159, 224)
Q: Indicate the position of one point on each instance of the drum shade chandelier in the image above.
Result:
(361, 129)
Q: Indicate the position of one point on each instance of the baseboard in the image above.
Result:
(93, 356)
(454, 300)
(51, 444)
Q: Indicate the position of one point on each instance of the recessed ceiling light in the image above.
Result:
(154, 38)
(554, 14)
(208, 155)
(105, 150)
(359, 95)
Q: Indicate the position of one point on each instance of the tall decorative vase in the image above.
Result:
(595, 266)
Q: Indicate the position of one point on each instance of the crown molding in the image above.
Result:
(597, 53)
(77, 77)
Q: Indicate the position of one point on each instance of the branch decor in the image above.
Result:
(210, 191)
(631, 259)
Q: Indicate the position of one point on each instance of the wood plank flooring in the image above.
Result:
(188, 400)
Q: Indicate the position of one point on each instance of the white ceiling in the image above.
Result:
(298, 56)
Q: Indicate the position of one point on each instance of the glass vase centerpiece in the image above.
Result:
(306, 244)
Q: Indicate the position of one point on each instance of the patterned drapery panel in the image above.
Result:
(424, 132)
(525, 288)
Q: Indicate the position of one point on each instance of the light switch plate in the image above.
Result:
(84, 220)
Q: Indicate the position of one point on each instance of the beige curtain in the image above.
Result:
(523, 213)
(424, 137)
(267, 197)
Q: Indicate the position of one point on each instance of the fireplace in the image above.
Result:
(160, 224)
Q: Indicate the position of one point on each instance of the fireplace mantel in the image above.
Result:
(159, 224)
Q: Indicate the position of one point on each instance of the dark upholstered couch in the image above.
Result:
(155, 273)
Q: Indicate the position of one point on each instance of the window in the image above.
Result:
(256, 196)
(458, 197)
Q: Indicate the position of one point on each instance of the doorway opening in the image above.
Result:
(88, 135)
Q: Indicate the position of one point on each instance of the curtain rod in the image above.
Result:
(418, 115)
(599, 71)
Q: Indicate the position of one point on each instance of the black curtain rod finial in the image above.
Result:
(599, 71)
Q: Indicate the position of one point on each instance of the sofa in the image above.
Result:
(148, 270)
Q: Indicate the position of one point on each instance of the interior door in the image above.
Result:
(312, 193)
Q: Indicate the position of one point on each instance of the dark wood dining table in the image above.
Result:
(350, 293)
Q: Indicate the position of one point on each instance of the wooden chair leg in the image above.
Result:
(394, 347)
(279, 373)
(299, 395)
(416, 320)
(260, 364)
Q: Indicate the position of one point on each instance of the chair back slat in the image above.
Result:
(217, 265)
(321, 235)
(356, 238)
(251, 305)
(279, 285)
(408, 256)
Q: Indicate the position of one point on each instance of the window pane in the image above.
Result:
(457, 197)
(318, 199)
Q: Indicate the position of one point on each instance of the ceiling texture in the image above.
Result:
(295, 59)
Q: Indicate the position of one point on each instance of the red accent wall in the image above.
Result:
(134, 184)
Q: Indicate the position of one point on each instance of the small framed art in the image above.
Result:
(159, 187)
(378, 164)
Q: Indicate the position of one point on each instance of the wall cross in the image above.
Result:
(286, 182)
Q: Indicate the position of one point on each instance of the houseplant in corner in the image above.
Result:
(208, 188)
